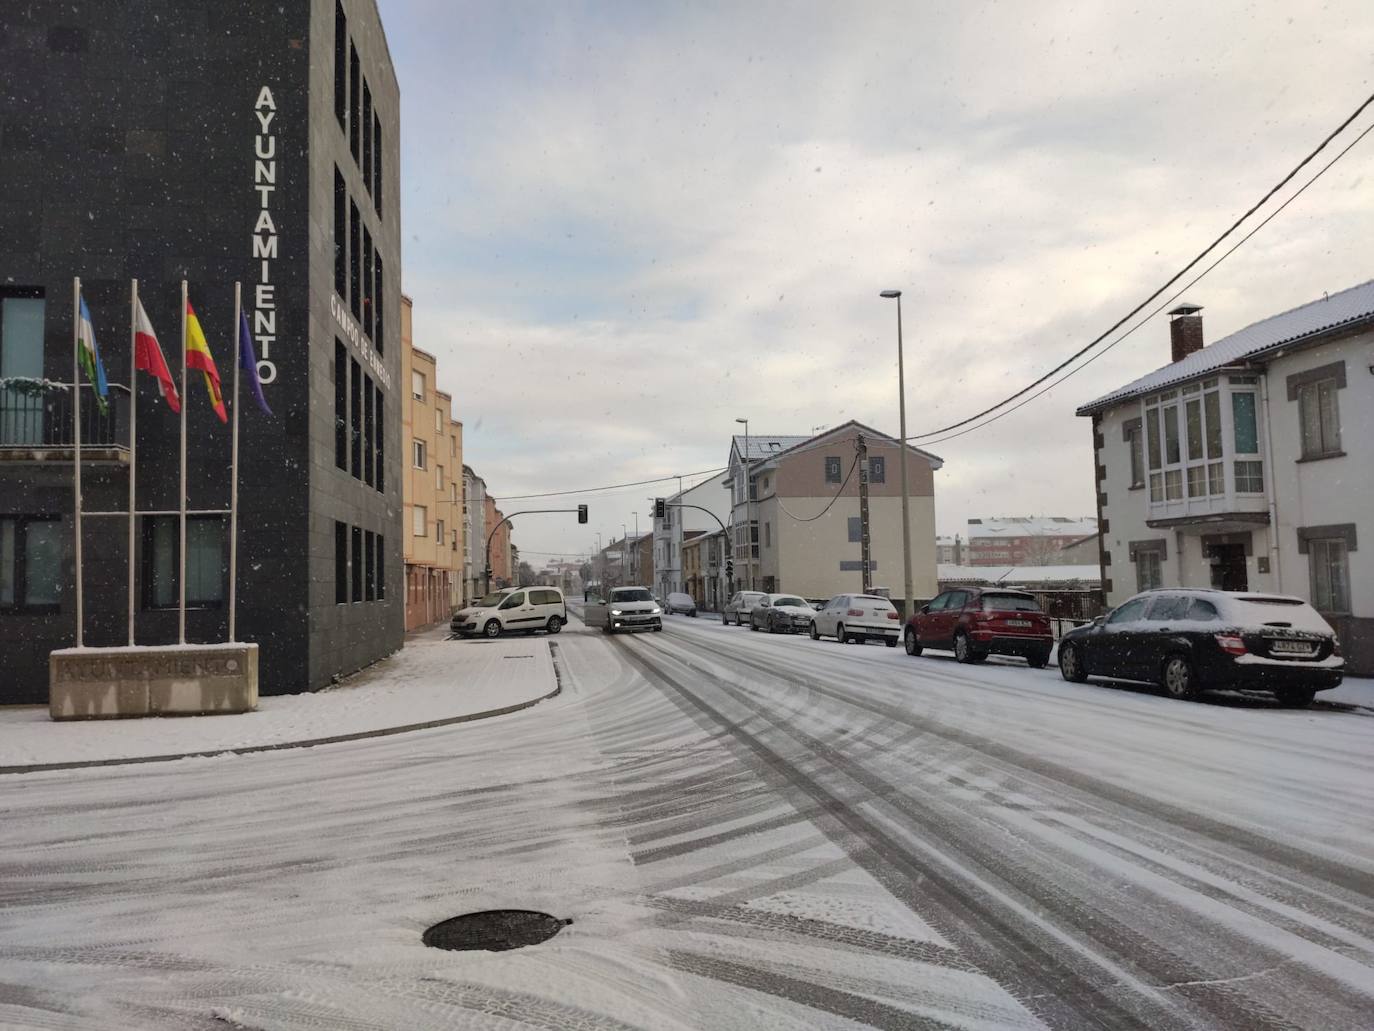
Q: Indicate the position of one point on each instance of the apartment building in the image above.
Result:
(475, 535)
(432, 487)
(797, 525)
(496, 545)
(1245, 464)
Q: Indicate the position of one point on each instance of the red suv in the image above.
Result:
(980, 621)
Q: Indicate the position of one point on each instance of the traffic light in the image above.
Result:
(730, 568)
(581, 513)
(660, 508)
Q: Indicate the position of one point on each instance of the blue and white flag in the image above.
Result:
(89, 356)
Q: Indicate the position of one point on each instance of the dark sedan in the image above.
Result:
(1195, 640)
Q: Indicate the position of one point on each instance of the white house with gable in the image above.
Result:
(1248, 465)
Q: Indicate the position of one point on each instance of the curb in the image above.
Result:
(282, 746)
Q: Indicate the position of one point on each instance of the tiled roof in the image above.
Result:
(765, 445)
(1349, 307)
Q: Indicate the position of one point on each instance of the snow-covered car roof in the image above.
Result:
(1254, 610)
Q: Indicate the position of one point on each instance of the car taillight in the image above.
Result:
(855, 612)
(892, 615)
(1231, 644)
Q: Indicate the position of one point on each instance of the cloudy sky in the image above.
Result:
(627, 224)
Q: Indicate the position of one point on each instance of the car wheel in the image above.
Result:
(724, 619)
(693, 613)
(772, 627)
(1071, 666)
(840, 635)
(1295, 697)
(1178, 678)
(752, 624)
(492, 629)
(909, 640)
(553, 625)
(1039, 660)
(815, 633)
(963, 648)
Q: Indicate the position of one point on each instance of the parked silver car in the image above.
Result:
(781, 614)
(680, 604)
(737, 608)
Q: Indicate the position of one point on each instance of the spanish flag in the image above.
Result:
(198, 357)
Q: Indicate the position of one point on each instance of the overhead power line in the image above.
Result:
(1168, 283)
(613, 486)
(830, 504)
(1184, 289)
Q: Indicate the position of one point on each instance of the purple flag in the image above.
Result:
(248, 361)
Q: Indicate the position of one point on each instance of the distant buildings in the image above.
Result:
(1031, 541)
(677, 523)
(1246, 465)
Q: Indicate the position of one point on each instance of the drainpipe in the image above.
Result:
(1275, 570)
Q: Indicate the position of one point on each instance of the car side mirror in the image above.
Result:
(924, 610)
(1099, 620)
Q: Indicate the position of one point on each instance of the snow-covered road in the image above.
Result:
(749, 832)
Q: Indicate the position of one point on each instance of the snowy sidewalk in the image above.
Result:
(431, 680)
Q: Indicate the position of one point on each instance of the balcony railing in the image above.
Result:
(36, 418)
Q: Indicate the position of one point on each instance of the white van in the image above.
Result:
(521, 608)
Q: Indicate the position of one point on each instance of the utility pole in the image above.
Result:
(908, 603)
(862, 446)
(748, 578)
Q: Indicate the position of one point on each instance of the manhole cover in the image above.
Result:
(495, 930)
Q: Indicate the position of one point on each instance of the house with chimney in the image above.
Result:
(1246, 464)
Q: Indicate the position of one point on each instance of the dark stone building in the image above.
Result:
(166, 139)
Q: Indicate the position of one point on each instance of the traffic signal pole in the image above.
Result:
(580, 511)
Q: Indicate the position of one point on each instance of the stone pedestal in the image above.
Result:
(176, 680)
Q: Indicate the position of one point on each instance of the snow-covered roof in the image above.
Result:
(1009, 576)
(1347, 308)
(1033, 526)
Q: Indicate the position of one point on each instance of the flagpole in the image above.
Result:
(133, 440)
(76, 449)
(181, 550)
(234, 469)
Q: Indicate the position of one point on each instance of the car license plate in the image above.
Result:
(1292, 647)
(1018, 622)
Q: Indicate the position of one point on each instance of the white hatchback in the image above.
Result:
(857, 617)
(524, 608)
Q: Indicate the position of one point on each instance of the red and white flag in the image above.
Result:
(148, 358)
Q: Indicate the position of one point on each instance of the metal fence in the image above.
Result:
(38, 414)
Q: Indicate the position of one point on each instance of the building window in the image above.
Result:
(340, 405)
(367, 284)
(355, 420)
(1320, 417)
(30, 563)
(438, 531)
(367, 135)
(877, 470)
(369, 566)
(340, 563)
(369, 429)
(340, 235)
(205, 566)
(1137, 456)
(379, 432)
(419, 521)
(354, 77)
(355, 257)
(1330, 567)
(340, 65)
(357, 535)
(767, 535)
(855, 529)
(377, 164)
(438, 477)
(418, 454)
(381, 567)
(417, 385)
(1249, 477)
(1149, 570)
(378, 335)
(832, 470)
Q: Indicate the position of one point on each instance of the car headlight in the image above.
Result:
(655, 611)
(616, 612)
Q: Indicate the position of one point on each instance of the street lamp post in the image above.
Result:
(748, 514)
(906, 493)
(635, 553)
